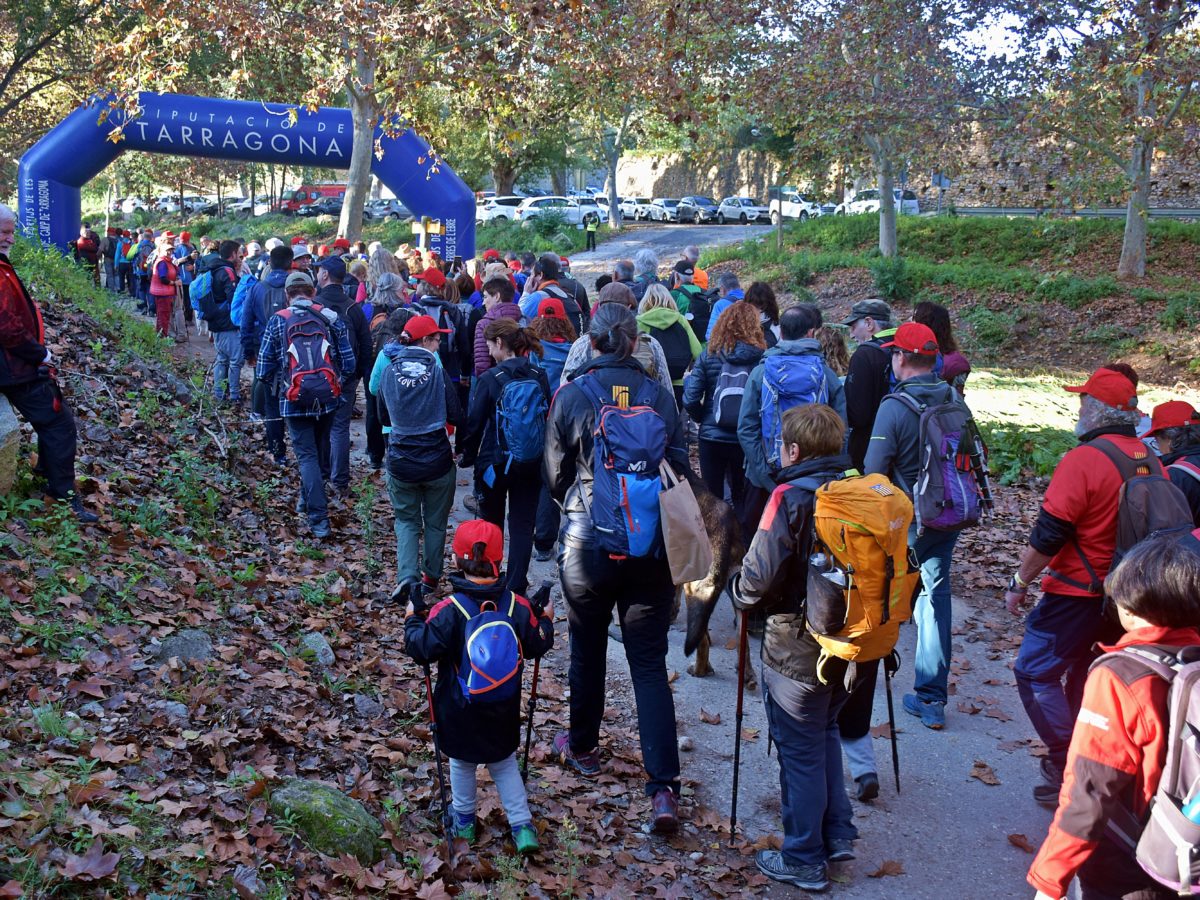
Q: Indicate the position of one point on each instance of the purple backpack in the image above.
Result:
(946, 495)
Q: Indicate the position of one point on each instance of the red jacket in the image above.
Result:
(1116, 757)
(22, 334)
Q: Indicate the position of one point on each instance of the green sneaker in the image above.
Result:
(464, 828)
(525, 837)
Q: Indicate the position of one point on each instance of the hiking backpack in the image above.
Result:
(446, 316)
(1168, 847)
(241, 294)
(521, 413)
(675, 346)
(490, 668)
(312, 380)
(553, 360)
(629, 442)
(861, 576)
(200, 292)
(788, 380)
(946, 496)
(728, 393)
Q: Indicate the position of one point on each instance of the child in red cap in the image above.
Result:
(478, 731)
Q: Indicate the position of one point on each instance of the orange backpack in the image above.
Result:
(861, 580)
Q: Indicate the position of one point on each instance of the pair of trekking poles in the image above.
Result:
(538, 602)
(891, 664)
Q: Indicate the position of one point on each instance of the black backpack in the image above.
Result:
(676, 348)
(570, 306)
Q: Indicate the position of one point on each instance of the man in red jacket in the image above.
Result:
(27, 377)
(1075, 536)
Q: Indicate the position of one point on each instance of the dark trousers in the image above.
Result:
(591, 240)
(545, 527)
(125, 278)
(520, 488)
(1052, 665)
(376, 442)
(722, 462)
(643, 594)
(35, 400)
(266, 404)
(803, 722)
(854, 719)
(310, 441)
(754, 501)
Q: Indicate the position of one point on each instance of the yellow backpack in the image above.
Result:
(861, 582)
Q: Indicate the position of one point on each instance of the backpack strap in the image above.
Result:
(1184, 466)
(458, 600)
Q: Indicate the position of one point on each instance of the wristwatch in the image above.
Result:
(1016, 585)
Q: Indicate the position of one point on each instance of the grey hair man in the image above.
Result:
(645, 263)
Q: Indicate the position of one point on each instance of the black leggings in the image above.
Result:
(722, 460)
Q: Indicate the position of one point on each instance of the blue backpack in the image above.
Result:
(788, 380)
(629, 444)
(554, 358)
(201, 289)
(491, 664)
(240, 295)
(520, 419)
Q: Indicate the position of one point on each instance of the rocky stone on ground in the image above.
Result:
(318, 647)
(328, 820)
(189, 645)
(10, 446)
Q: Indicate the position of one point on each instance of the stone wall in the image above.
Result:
(742, 173)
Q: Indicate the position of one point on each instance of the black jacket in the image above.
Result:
(775, 570)
(216, 310)
(567, 466)
(478, 443)
(866, 385)
(473, 732)
(358, 329)
(1184, 480)
(701, 383)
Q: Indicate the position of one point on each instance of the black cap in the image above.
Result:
(684, 267)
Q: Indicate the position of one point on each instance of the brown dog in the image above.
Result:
(725, 534)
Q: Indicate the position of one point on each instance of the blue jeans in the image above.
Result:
(227, 369)
(310, 441)
(931, 664)
(1052, 665)
(803, 722)
(339, 438)
(421, 510)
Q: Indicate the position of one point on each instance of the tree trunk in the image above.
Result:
(612, 157)
(360, 91)
(558, 182)
(885, 179)
(504, 176)
(1137, 217)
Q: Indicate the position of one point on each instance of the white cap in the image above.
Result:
(272, 243)
(299, 250)
(253, 248)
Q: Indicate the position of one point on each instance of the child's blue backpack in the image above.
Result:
(520, 419)
(240, 294)
(490, 669)
(630, 442)
(788, 380)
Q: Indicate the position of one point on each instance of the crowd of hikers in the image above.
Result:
(851, 476)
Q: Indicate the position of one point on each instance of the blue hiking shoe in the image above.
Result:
(932, 714)
(464, 827)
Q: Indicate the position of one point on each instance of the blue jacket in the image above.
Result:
(701, 383)
(258, 309)
(750, 435)
(720, 306)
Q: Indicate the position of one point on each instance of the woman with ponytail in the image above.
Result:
(596, 575)
(502, 441)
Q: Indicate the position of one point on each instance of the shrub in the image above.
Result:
(1180, 313)
(990, 328)
(1016, 452)
(892, 279)
(1073, 291)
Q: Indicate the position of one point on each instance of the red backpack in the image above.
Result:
(312, 381)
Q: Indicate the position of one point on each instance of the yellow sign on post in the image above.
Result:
(425, 227)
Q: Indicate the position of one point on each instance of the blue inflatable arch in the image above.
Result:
(53, 170)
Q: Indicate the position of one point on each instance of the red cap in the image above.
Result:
(433, 277)
(167, 234)
(566, 263)
(323, 250)
(515, 265)
(552, 308)
(341, 244)
(420, 327)
(185, 236)
(477, 531)
(1110, 388)
(1172, 414)
(913, 337)
(125, 233)
(298, 239)
(491, 253)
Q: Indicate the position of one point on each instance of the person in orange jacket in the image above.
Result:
(1119, 744)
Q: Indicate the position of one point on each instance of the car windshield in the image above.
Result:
(670, 203)
(704, 201)
(288, 195)
(749, 201)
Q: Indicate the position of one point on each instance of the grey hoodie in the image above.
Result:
(895, 449)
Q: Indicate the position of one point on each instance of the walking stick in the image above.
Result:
(447, 827)
(737, 739)
(538, 602)
(891, 664)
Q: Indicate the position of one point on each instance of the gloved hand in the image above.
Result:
(49, 358)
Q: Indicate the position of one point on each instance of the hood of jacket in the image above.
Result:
(276, 278)
(743, 354)
(660, 317)
(476, 591)
(211, 262)
(797, 347)
(334, 296)
(928, 389)
(830, 466)
(504, 311)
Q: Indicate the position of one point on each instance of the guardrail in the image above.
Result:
(1158, 212)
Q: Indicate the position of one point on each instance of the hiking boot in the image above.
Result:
(525, 837)
(808, 878)
(83, 515)
(543, 555)
(584, 763)
(868, 787)
(1046, 793)
(666, 811)
(321, 529)
(464, 828)
(839, 850)
(932, 714)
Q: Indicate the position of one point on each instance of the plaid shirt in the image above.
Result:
(272, 363)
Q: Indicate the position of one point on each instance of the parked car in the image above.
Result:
(634, 207)
(663, 209)
(575, 210)
(386, 209)
(793, 205)
(241, 205)
(306, 194)
(695, 208)
(131, 205)
(325, 206)
(497, 208)
(741, 209)
(868, 202)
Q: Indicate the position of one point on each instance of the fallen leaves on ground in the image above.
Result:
(95, 865)
(888, 867)
(1022, 842)
(709, 718)
(984, 773)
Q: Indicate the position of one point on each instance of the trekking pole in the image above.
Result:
(538, 602)
(447, 828)
(979, 467)
(743, 632)
(891, 664)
